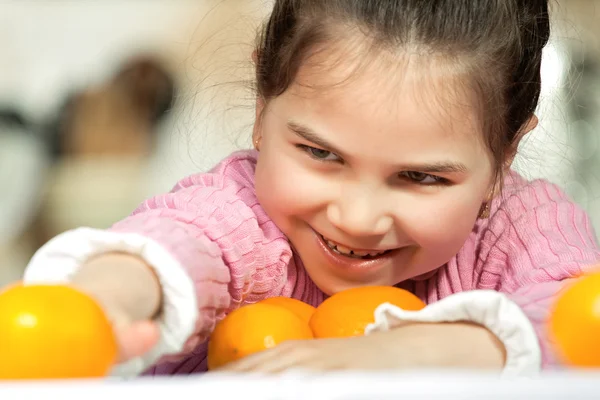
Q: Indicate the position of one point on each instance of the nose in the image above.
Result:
(360, 212)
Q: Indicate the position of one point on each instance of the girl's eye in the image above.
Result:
(320, 154)
(422, 178)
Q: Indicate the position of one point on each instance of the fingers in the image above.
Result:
(252, 363)
(136, 339)
(289, 355)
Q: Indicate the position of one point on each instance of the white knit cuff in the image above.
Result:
(59, 259)
(488, 308)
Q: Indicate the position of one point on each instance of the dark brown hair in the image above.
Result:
(499, 43)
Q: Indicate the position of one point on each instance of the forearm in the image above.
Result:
(123, 281)
(454, 345)
(461, 330)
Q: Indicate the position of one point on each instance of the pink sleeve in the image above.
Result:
(542, 242)
(213, 225)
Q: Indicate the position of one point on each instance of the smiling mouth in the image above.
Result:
(350, 253)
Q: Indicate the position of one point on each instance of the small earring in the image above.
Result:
(257, 143)
(484, 211)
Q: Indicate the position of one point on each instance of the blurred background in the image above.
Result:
(103, 104)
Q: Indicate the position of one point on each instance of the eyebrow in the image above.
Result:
(308, 134)
(437, 167)
(443, 167)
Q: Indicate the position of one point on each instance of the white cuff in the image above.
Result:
(488, 308)
(59, 259)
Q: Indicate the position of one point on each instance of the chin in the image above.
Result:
(331, 286)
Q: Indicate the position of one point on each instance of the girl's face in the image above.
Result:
(374, 181)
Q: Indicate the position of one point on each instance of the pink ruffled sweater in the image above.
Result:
(535, 240)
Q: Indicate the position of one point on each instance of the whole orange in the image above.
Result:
(300, 308)
(348, 313)
(575, 323)
(251, 329)
(53, 331)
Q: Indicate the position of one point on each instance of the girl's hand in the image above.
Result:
(364, 352)
(134, 338)
(412, 346)
(130, 294)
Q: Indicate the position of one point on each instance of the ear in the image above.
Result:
(530, 125)
(527, 127)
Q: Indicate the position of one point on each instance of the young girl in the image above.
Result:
(384, 135)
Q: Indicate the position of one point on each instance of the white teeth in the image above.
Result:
(351, 253)
(343, 249)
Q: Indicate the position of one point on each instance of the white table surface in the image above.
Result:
(355, 386)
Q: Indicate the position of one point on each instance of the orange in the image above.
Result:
(53, 331)
(575, 323)
(300, 308)
(348, 313)
(251, 329)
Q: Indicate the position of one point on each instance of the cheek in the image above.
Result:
(285, 189)
(442, 223)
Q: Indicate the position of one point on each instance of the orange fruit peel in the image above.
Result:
(251, 329)
(348, 313)
(574, 323)
(300, 308)
(53, 332)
